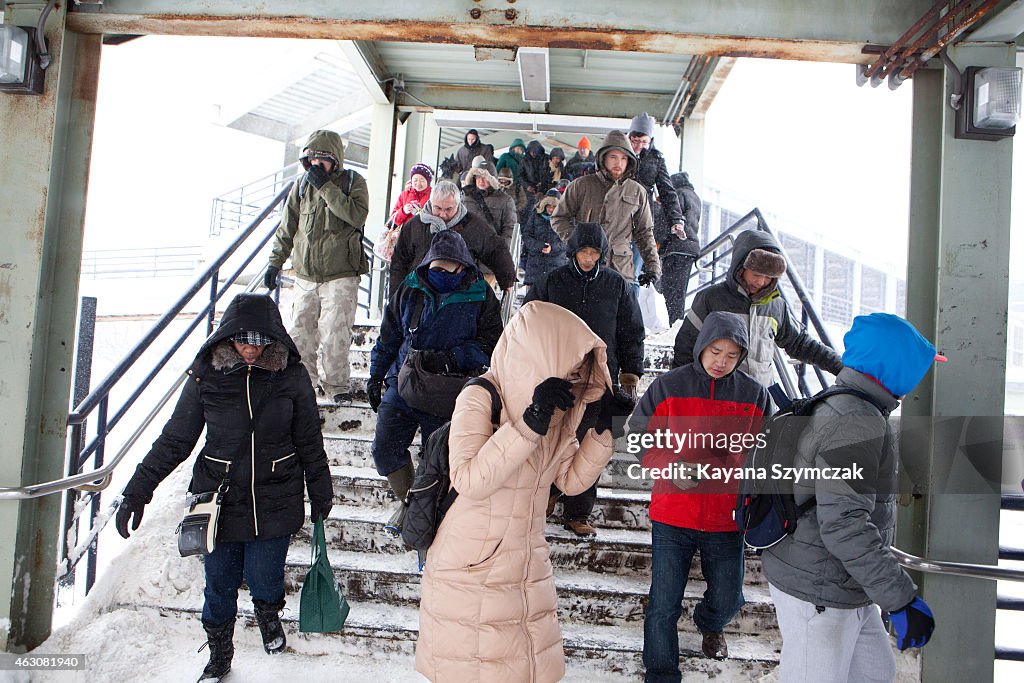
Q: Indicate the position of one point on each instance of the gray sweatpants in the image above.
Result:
(832, 646)
(322, 317)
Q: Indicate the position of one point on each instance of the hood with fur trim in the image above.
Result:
(326, 142)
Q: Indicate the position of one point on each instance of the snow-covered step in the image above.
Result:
(614, 508)
(355, 450)
(387, 634)
(583, 597)
(614, 551)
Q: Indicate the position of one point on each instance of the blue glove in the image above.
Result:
(913, 624)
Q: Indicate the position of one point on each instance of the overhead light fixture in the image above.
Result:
(23, 55)
(991, 104)
(533, 74)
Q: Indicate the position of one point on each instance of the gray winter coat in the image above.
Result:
(770, 323)
(838, 555)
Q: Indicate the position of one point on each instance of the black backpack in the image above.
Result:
(432, 493)
(766, 510)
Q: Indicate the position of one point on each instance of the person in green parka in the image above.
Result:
(322, 230)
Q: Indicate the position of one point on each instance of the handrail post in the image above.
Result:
(214, 277)
(90, 566)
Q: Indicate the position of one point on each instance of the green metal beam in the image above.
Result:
(959, 247)
(43, 178)
(821, 30)
(506, 99)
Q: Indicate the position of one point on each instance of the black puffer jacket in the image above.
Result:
(690, 205)
(265, 459)
(534, 172)
(602, 298)
(653, 173)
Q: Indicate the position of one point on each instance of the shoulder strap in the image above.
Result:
(417, 311)
(495, 398)
(835, 391)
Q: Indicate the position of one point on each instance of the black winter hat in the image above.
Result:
(450, 246)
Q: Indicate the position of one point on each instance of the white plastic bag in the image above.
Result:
(653, 309)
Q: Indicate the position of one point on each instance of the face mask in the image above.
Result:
(444, 282)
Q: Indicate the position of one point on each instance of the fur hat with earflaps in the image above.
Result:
(764, 262)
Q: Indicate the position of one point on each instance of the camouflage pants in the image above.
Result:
(322, 317)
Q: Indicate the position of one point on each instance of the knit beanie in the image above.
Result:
(584, 143)
(423, 170)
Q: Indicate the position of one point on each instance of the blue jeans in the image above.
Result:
(721, 562)
(395, 430)
(260, 562)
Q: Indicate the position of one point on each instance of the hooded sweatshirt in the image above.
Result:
(322, 229)
(620, 206)
(838, 555)
(769, 321)
(602, 298)
(511, 159)
(687, 401)
(262, 430)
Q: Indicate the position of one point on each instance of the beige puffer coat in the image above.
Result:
(487, 609)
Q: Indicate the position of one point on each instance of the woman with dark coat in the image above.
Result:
(250, 391)
(543, 249)
(535, 176)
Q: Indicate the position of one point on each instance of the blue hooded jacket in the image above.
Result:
(888, 348)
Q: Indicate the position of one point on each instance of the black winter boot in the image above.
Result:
(222, 649)
(268, 617)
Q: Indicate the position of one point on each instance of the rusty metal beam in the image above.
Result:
(819, 30)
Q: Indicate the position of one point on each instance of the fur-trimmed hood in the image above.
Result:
(247, 312)
(224, 357)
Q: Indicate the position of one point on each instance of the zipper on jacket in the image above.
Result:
(273, 463)
(252, 450)
(226, 463)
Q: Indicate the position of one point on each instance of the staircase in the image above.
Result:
(602, 583)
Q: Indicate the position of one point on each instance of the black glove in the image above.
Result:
(130, 506)
(438, 362)
(913, 624)
(317, 175)
(319, 509)
(554, 392)
(374, 387)
(270, 277)
(614, 404)
(647, 279)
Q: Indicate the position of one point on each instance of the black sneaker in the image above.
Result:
(345, 398)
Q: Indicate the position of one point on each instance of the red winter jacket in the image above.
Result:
(688, 404)
(398, 214)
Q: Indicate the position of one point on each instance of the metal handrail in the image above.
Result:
(98, 398)
(977, 571)
(724, 241)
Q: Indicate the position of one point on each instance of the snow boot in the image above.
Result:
(222, 649)
(268, 617)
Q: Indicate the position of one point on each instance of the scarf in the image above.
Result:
(437, 224)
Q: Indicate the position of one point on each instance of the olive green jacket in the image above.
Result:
(322, 229)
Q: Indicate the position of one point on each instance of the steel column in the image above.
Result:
(43, 179)
(957, 295)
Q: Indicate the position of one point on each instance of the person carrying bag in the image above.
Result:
(249, 390)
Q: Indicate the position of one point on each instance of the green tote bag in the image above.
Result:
(322, 607)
